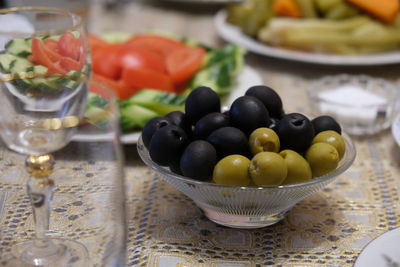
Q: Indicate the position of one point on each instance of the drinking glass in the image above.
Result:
(88, 206)
(44, 71)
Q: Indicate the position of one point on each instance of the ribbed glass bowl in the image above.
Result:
(246, 207)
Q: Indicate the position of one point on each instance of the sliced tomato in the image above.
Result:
(40, 56)
(182, 64)
(119, 87)
(156, 43)
(52, 44)
(139, 57)
(70, 64)
(147, 78)
(96, 43)
(70, 46)
(51, 52)
(31, 58)
(105, 62)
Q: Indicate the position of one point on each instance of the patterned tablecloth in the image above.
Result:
(165, 228)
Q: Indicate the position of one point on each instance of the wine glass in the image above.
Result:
(89, 200)
(44, 71)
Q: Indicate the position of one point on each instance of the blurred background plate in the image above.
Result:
(382, 251)
(233, 34)
(247, 77)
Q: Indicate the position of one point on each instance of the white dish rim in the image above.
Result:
(233, 34)
(396, 129)
(373, 242)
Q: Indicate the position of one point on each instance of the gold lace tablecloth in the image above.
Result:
(165, 228)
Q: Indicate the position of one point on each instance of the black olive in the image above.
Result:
(200, 102)
(209, 123)
(151, 127)
(179, 119)
(248, 113)
(274, 123)
(295, 132)
(269, 97)
(198, 160)
(175, 168)
(167, 145)
(325, 123)
(228, 141)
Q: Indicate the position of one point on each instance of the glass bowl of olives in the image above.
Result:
(362, 104)
(246, 167)
(246, 206)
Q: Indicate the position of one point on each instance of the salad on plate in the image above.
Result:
(150, 73)
(153, 73)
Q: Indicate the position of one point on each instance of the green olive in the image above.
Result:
(298, 168)
(268, 168)
(264, 139)
(332, 138)
(232, 170)
(323, 158)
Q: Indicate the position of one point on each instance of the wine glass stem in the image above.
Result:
(40, 191)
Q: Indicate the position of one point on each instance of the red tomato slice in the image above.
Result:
(182, 64)
(40, 56)
(156, 43)
(52, 44)
(122, 90)
(138, 57)
(70, 64)
(70, 46)
(147, 78)
(96, 43)
(105, 62)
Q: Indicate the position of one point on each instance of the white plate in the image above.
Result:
(382, 251)
(233, 34)
(246, 78)
(396, 129)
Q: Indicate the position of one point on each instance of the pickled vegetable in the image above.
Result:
(264, 139)
(298, 168)
(332, 138)
(268, 168)
(323, 158)
(232, 170)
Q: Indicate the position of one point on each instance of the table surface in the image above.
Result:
(165, 228)
(329, 228)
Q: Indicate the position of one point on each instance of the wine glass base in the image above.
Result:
(54, 252)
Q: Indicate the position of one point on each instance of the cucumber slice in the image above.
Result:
(7, 61)
(19, 47)
(58, 83)
(220, 69)
(135, 116)
(157, 101)
(39, 70)
(20, 65)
